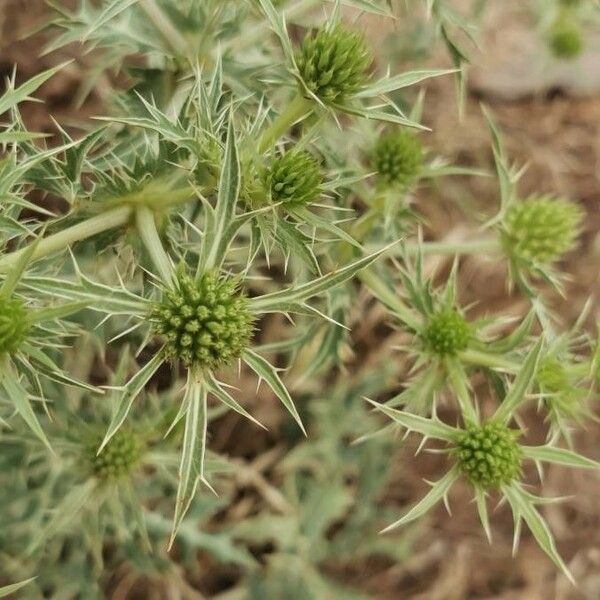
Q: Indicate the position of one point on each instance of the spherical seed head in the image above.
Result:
(541, 230)
(333, 63)
(566, 39)
(398, 159)
(294, 178)
(118, 458)
(446, 333)
(205, 322)
(13, 324)
(552, 376)
(488, 454)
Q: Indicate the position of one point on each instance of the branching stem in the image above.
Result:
(295, 111)
(146, 226)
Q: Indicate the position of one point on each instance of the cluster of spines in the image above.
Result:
(205, 321)
(332, 63)
(488, 454)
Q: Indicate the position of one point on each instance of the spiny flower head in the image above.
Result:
(205, 322)
(332, 63)
(566, 39)
(13, 324)
(398, 159)
(118, 458)
(293, 178)
(540, 229)
(552, 376)
(446, 332)
(488, 454)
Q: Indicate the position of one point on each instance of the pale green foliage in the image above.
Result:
(225, 220)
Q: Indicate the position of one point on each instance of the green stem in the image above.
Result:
(166, 28)
(295, 111)
(485, 359)
(481, 246)
(115, 217)
(146, 226)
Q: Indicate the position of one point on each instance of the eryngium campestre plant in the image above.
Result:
(488, 454)
(14, 325)
(293, 178)
(205, 322)
(540, 230)
(333, 63)
(398, 159)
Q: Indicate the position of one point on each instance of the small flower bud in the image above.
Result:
(488, 454)
(205, 322)
(13, 324)
(446, 333)
(333, 62)
(294, 178)
(118, 458)
(398, 159)
(566, 39)
(540, 230)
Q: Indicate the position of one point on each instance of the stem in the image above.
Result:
(494, 361)
(481, 246)
(115, 217)
(166, 28)
(146, 225)
(295, 111)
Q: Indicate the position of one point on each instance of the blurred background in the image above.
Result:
(548, 108)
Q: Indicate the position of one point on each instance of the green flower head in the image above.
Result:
(14, 325)
(488, 454)
(333, 63)
(293, 178)
(398, 159)
(566, 39)
(118, 459)
(541, 230)
(205, 322)
(446, 333)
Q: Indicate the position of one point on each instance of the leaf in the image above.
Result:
(521, 385)
(191, 467)
(70, 505)
(378, 115)
(12, 97)
(14, 587)
(559, 456)
(524, 507)
(438, 490)
(20, 399)
(277, 23)
(432, 428)
(402, 80)
(274, 301)
(56, 312)
(266, 371)
(216, 389)
(311, 218)
(227, 197)
(128, 394)
(10, 137)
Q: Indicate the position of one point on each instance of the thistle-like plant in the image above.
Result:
(488, 454)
